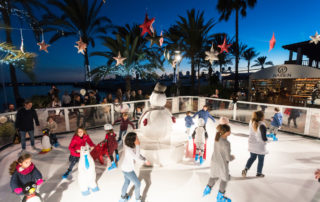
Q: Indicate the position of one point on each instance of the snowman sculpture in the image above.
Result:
(86, 172)
(156, 122)
(158, 142)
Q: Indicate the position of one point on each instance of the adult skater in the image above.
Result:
(203, 113)
(131, 155)
(257, 142)
(220, 163)
(24, 124)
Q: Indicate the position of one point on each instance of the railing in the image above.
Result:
(304, 121)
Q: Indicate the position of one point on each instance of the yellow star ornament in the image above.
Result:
(119, 59)
(43, 46)
(81, 46)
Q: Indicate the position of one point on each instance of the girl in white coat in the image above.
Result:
(220, 163)
(131, 155)
(257, 142)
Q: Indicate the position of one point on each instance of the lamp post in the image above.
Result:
(177, 59)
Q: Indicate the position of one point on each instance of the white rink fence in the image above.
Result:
(69, 119)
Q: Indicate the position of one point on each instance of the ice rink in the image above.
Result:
(289, 168)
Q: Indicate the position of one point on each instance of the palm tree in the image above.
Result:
(224, 60)
(261, 61)
(139, 59)
(191, 33)
(23, 9)
(78, 17)
(248, 55)
(226, 7)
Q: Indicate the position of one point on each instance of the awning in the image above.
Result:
(287, 72)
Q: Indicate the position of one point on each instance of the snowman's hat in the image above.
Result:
(159, 88)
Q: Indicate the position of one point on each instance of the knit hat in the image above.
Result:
(223, 120)
(3, 119)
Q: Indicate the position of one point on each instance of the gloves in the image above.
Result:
(18, 190)
(145, 122)
(39, 182)
(173, 119)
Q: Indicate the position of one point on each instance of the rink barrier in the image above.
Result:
(306, 121)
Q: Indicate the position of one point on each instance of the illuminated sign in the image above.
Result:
(281, 72)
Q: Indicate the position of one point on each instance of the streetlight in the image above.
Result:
(177, 59)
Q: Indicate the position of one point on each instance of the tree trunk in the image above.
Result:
(87, 66)
(128, 83)
(248, 66)
(192, 74)
(13, 76)
(220, 68)
(236, 82)
(199, 77)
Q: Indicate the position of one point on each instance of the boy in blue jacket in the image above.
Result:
(276, 122)
(204, 114)
(189, 122)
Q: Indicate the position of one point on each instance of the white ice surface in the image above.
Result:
(289, 169)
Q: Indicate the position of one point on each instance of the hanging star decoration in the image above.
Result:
(81, 46)
(147, 26)
(224, 46)
(43, 46)
(173, 63)
(119, 59)
(272, 42)
(154, 39)
(315, 39)
(212, 55)
(22, 47)
(161, 40)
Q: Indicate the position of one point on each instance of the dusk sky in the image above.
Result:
(291, 20)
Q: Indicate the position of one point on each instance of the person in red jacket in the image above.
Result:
(78, 140)
(124, 122)
(112, 145)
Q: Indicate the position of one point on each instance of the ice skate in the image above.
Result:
(275, 138)
(85, 193)
(56, 144)
(95, 189)
(260, 175)
(66, 174)
(244, 172)
(124, 198)
(222, 198)
(117, 157)
(113, 165)
(206, 191)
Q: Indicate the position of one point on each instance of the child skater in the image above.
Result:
(257, 143)
(52, 126)
(200, 136)
(131, 155)
(220, 163)
(79, 139)
(124, 122)
(112, 145)
(276, 123)
(188, 122)
(23, 171)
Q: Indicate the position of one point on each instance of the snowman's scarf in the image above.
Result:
(149, 110)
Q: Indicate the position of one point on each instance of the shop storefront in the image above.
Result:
(284, 84)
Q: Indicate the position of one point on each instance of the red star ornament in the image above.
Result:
(147, 26)
(272, 42)
(224, 46)
(81, 46)
(43, 46)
